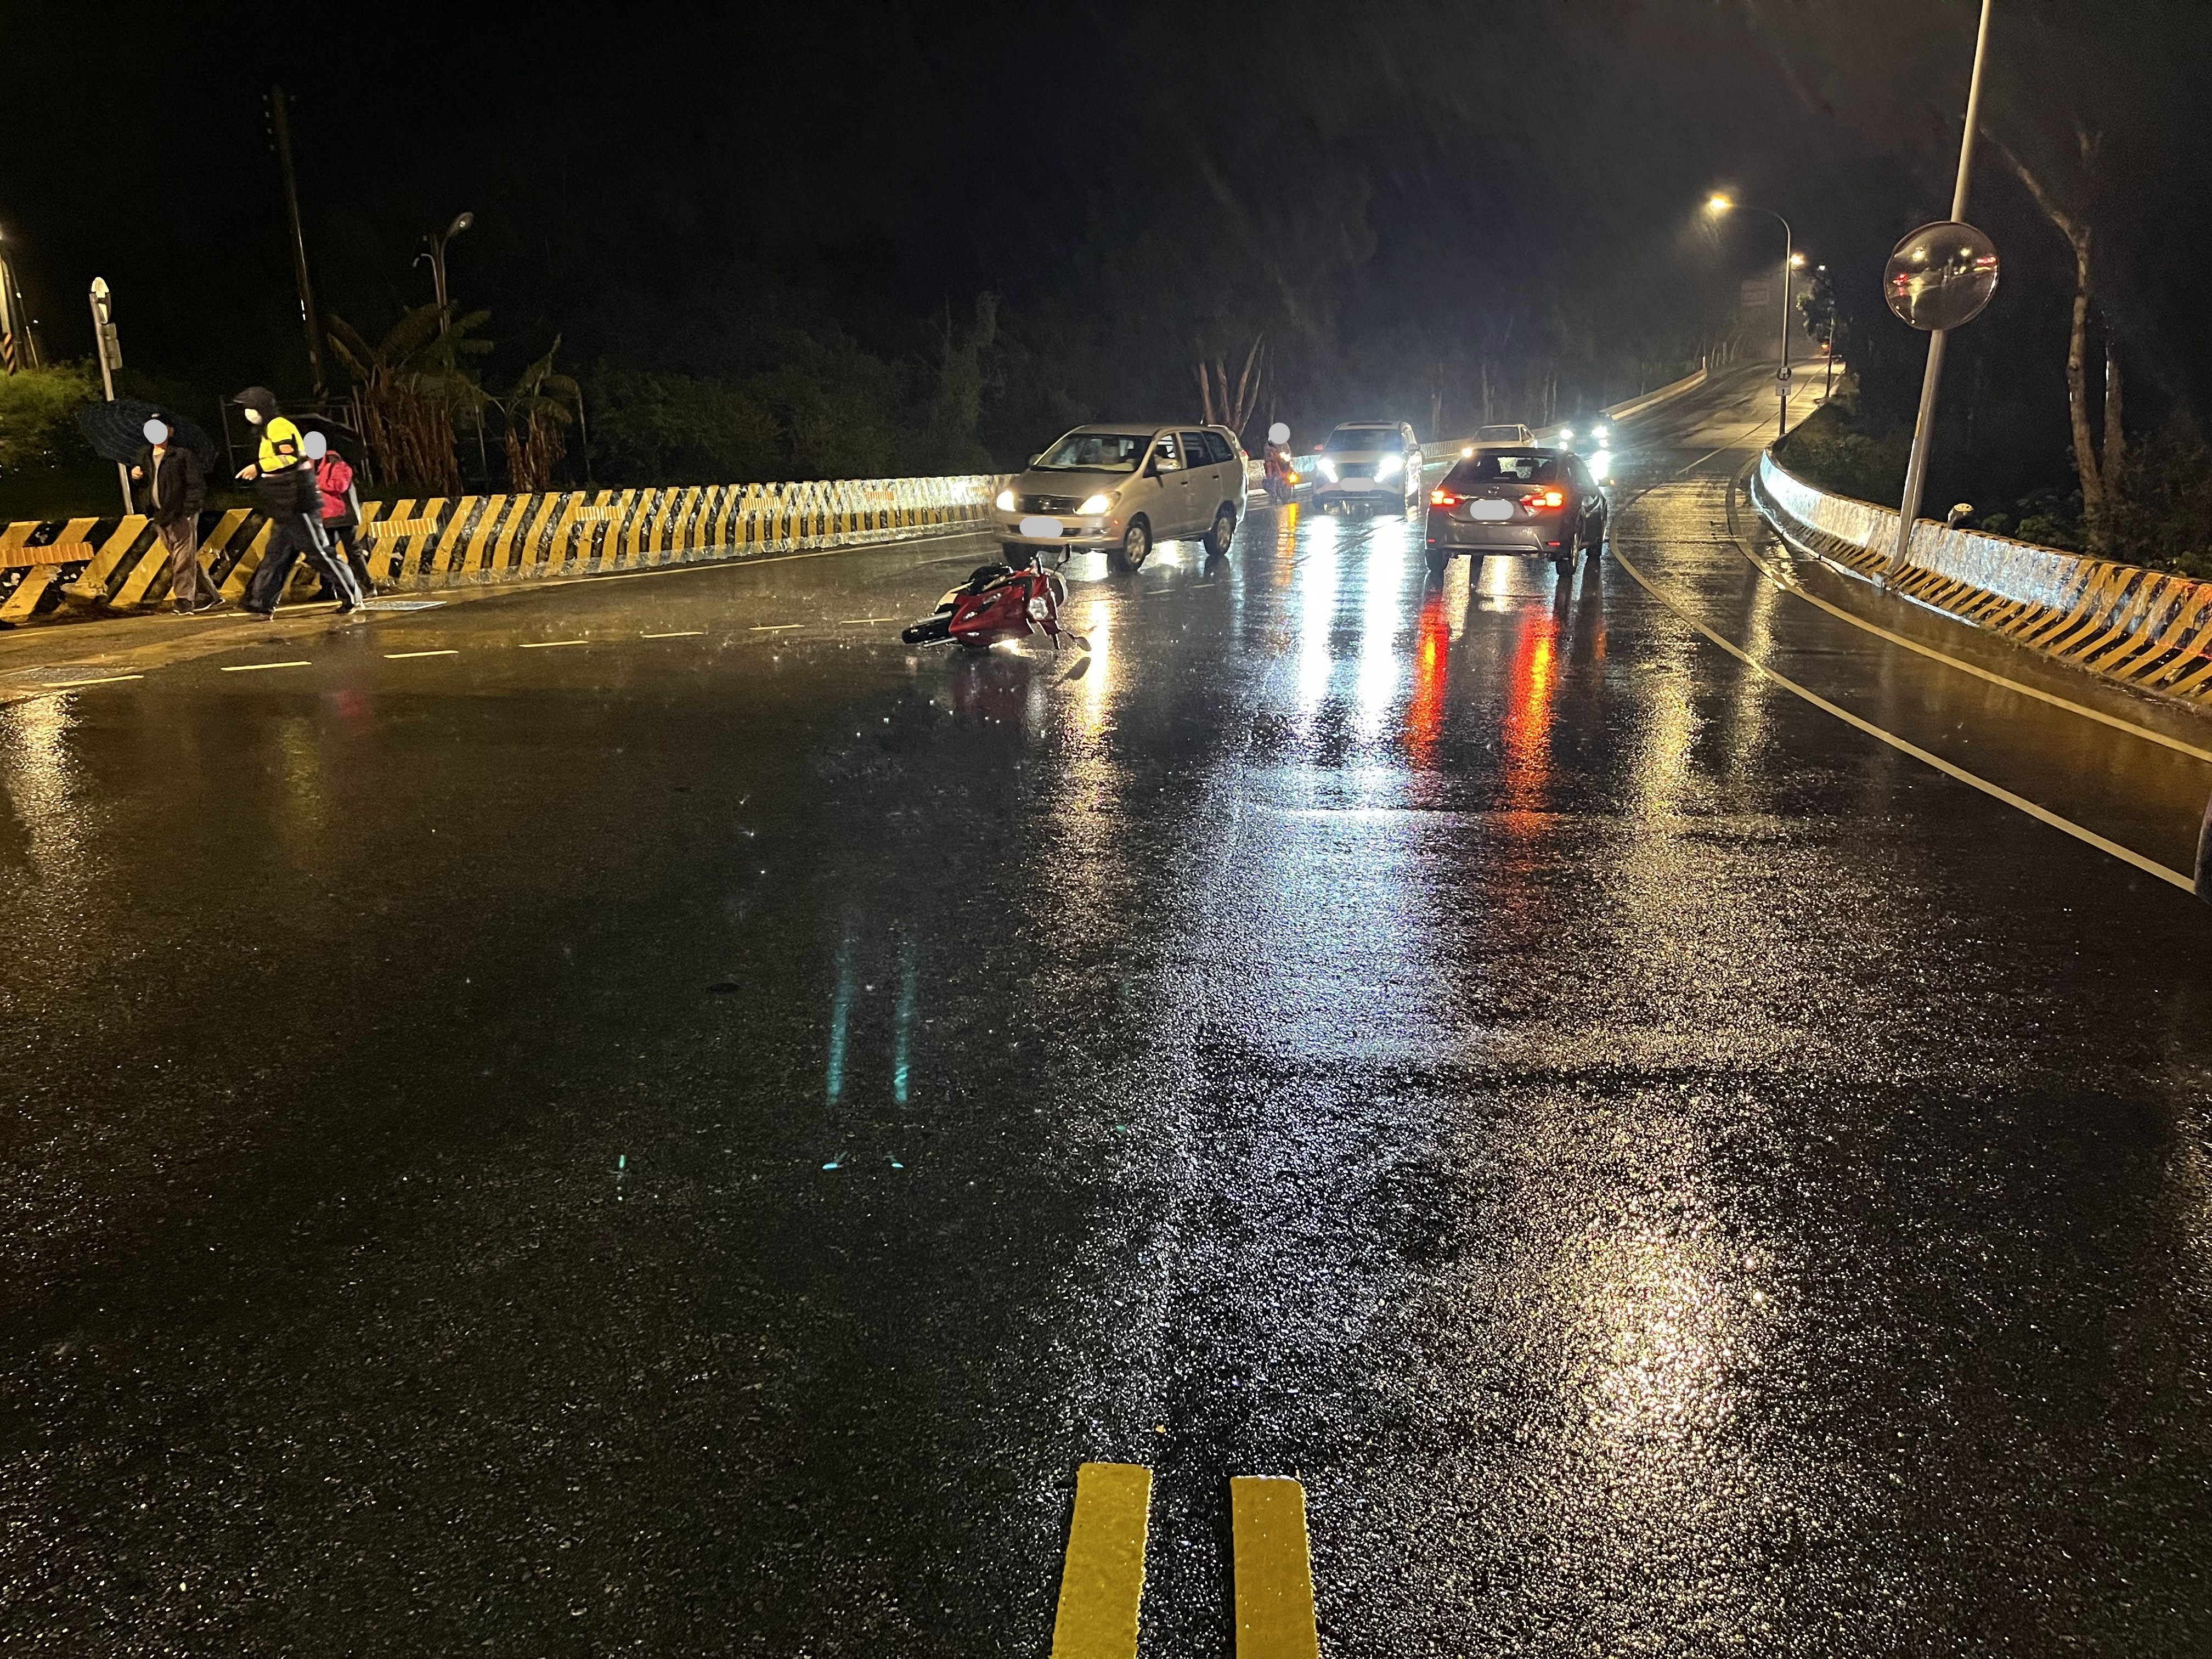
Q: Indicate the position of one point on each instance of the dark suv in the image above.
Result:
(1524, 500)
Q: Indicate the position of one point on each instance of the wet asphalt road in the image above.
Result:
(680, 1143)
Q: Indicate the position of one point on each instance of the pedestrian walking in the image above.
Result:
(284, 483)
(175, 489)
(340, 511)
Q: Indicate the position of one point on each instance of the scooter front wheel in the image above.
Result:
(928, 631)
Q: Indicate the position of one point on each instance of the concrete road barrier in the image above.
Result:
(120, 564)
(2144, 627)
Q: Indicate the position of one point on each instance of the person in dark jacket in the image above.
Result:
(174, 490)
(284, 483)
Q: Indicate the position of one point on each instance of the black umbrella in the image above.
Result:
(118, 432)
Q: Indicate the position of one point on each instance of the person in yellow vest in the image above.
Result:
(284, 483)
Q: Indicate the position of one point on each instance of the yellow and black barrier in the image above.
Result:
(2145, 627)
(121, 563)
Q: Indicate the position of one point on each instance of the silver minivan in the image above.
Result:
(1123, 488)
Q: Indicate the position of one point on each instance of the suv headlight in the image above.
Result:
(1101, 502)
(1005, 501)
(1328, 469)
(1389, 466)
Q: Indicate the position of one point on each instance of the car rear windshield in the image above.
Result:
(1507, 466)
(1493, 433)
(1382, 440)
(1097, 451)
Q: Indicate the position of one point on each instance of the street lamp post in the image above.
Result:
(436, 256)
(1790, 261)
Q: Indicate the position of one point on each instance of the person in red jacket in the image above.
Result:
(340, 518)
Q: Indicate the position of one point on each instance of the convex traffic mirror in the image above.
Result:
(1940, 275)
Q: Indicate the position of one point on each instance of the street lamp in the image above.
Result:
(1719, 203)
(436, 256)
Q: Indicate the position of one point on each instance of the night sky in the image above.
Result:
(1389, 192)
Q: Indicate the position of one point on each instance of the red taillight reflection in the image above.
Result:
(1443, 497)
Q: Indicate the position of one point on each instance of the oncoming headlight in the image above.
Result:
(1328, 469)
(1005, 501)
(1099, 503)
(1389, 466)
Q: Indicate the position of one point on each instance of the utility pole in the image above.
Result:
(111, 359)
(1924, 426)
(281, 128)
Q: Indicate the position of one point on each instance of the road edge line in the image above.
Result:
(1996, 791)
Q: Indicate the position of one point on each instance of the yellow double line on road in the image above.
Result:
(1102, 1583)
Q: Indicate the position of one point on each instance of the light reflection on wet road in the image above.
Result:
(1671, 1174)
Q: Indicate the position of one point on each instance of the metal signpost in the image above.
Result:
(111, 359)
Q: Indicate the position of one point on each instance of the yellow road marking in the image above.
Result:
(1275, 1570)
(1997, 792)
(682, 634)
(852, 622)
(401, 656)
(776, 628)
(255, 667)
(548, 645)
(1102, 1583)
(105, 679)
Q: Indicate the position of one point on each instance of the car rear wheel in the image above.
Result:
(1223, 530)
(1596, 547)
(1439, 562)
(1136, 542)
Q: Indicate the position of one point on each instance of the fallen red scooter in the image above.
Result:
(998, 602)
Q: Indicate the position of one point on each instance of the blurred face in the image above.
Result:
(157, 434)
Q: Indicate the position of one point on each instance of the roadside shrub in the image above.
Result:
(38, 417)
(1827, 451)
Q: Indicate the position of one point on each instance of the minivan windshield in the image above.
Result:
(1097, 452)
(1382, 440)
(1507, 466)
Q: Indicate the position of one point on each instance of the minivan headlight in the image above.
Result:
(1099, 503)
(1005, 501)
(1389, 466)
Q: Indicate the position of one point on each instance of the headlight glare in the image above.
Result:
(1099, 503)
(1328, 469)
(1389, 466)
(1005, 501)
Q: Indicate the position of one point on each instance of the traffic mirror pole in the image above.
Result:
(1923, 425)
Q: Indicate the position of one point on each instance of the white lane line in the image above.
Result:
(856, 622)
(777, 628)
(402, 656)
(105, 679)
(255, 667)
(1786, 585)
(548, 645)
(681, 634)
(1997, 792)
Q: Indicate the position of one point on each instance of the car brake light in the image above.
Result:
(1442, 497)
(1537, 500)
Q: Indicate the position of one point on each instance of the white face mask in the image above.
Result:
(253, 417)
(157, 434)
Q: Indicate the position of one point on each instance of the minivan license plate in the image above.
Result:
(1490, 512)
